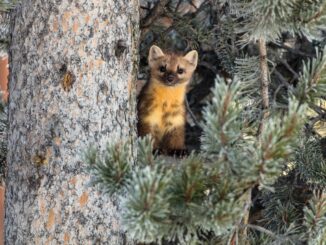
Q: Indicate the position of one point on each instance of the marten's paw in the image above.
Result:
(179, 153)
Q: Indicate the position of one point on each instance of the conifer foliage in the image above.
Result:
(259, 176)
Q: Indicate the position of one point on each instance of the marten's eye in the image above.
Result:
(180, 70)
(162, 69)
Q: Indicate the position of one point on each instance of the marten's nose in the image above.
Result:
(170, 77)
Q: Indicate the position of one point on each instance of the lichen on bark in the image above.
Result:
(47, 197)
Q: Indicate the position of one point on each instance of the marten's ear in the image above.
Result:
(154, 53)
(192, 57)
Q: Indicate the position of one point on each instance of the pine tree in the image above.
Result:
(259, 146)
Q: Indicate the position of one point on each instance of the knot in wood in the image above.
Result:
(120, 47)
(67, 81)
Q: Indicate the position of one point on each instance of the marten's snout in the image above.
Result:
(170, 78)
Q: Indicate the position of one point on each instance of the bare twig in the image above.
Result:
(281, 78)
(278, 90)
(264, 80)
(262, 229)
(208, 66)
(286, 64)
(191, 113)
(146, 8)
(292, 50)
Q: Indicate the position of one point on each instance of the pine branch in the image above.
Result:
(315, 219)
(312, 81)
(221, 122)
(146, 205)
(111, 171)
(310, 17)
(310, 161)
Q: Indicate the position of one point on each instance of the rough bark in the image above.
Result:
(72, 73)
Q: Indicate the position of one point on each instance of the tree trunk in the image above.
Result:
(72, 73)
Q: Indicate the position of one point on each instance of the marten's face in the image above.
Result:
(171, 69)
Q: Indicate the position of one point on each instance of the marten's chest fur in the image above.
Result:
(161, 110)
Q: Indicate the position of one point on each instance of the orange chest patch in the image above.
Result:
(168, 110)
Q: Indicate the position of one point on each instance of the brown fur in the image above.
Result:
(161, 108)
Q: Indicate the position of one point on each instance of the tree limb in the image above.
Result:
(264, 80)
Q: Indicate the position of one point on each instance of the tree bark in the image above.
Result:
(72, 73)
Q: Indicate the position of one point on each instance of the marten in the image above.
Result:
(161, 102)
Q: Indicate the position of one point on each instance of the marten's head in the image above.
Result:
(171, 69)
